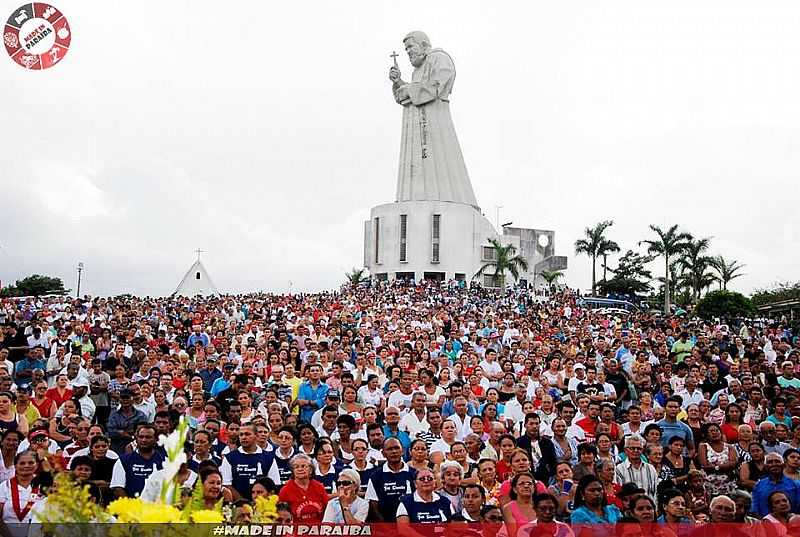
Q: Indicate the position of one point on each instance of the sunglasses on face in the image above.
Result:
(425, 479)
(341, 484)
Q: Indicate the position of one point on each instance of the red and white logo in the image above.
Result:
(37, 36)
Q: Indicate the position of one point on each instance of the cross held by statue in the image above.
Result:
(393, 56)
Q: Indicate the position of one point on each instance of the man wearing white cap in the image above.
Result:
(80, 389)
(580, 376)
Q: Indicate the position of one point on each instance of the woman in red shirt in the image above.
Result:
(734, 417)
(306, 497)
(60, 393)
(507, 451)
(46, 406)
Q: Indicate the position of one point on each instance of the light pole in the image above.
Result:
(80, 269)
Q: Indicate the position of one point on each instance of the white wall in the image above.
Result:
(463, 232)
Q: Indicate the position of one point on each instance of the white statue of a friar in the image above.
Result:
(431, 164)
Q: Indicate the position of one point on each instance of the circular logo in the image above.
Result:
(544, 241)
(37, 36)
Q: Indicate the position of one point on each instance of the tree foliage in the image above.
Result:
(631, 277)
(724, 304)
(697, 266)
(551, 277)
(505, 260)
(669, 244)
(596, 245)
(778, 293)
(35, 285)
(726, 270)
(356, 276)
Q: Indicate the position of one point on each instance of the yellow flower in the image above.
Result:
(266, 509)
(126, 509)
(207, 516)
(135, 510)
(159, 513)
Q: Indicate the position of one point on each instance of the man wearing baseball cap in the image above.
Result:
(80, 390)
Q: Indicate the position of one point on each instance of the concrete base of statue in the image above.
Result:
(443, 240)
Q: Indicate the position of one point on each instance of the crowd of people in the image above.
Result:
(407, 403)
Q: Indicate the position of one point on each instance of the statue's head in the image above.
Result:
(417, 46)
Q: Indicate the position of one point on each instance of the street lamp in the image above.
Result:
(80, 269)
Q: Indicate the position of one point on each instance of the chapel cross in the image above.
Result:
(198, 252)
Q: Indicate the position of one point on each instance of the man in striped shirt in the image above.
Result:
(434, 431)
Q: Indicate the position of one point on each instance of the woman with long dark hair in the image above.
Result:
(734, 417)
(753, 470)
(677, 462)
(591, 504)
(10, 420)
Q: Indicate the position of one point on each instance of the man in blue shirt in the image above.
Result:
(774, 481)
(23, 372)
(448, 409)
(243, 466)
(210, 373)
(132, 469)
(198, 336)
(671, 427)
(311, 395)
(392, 430)
(388, 482)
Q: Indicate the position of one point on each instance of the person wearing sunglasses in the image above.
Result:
(347, 507)
(423, 506)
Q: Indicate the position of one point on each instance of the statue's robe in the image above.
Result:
(431, 164)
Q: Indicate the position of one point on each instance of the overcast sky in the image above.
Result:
(263, 132)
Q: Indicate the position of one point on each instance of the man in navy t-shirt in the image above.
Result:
(132, 469)
(389, 482)
(241, 467)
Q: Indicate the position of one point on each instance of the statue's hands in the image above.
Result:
(394, 74)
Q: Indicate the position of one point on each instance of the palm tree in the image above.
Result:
(551, 276)
(669, 244)
(607, 247)
(726, 271)
(696, 266)
(505, 260)
(676, 277)
(356, 276)
(595, 245)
